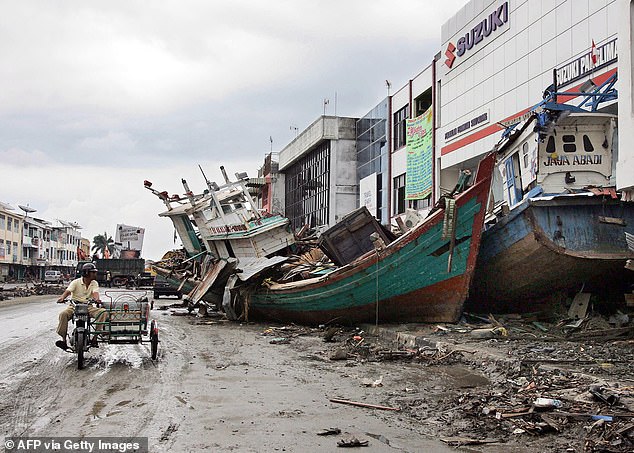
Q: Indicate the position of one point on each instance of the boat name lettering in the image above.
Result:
(583, 66)
(227, 229)
(576, 160)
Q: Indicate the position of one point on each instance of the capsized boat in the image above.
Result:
(422, 276)
(558, 226)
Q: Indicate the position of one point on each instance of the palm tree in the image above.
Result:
(101, 243)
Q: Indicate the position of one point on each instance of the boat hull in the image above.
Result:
(408, 281)
(553, 246)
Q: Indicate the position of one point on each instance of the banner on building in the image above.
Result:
(130, 237)
(418, 180)
(367, 189)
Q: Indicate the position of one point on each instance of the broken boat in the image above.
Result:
(558, 225)
(422, 276)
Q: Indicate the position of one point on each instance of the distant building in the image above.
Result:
(320, 172)
(10, 242)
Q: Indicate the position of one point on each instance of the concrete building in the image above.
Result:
(36, 241)
(10, 242)
(499, 56)
(625, 164)
(320, 172)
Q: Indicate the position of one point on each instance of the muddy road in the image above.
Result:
(216, 386)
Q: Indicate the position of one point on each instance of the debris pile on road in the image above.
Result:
(560, 384)
(35, 289)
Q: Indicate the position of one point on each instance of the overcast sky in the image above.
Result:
(99, 95)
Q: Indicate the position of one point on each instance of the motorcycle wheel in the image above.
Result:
(154, 344)
(79, 347)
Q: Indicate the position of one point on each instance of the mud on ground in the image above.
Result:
(482, 394)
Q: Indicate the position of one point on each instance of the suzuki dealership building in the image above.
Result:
(498, 58)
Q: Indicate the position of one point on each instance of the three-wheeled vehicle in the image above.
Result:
(128, 322)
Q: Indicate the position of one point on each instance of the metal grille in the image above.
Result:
(308, 188)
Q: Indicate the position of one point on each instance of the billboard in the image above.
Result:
(418, 179)
(130, 237)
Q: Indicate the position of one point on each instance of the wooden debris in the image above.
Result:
(370, 406)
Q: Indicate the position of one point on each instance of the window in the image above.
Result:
(587, 144)
(2, 222)
(525, 154)
(9, 249)
(550, 145)
(16, 227)
(569, 143)
(399, 194)
(308, 189)
(420, 204)
(400, 118)
(9, 224)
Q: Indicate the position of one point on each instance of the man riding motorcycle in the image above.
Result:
(81, 290)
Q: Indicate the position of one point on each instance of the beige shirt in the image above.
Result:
(80, 292)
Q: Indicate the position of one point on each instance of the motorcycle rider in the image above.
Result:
(81, 289)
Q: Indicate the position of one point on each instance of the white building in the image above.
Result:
(499, 56)
(320, 173)
(625, 164)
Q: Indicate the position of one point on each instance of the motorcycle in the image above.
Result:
(79, 338)
(126, 323)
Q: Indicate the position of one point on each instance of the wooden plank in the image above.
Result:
(579, 306)
(612, 220)
(370, 406)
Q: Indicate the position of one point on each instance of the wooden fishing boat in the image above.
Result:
(559, 226)
(423, 276)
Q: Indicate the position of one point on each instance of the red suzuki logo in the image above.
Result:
(450, 55)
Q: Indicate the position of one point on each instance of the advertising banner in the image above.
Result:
(418, 180)
(130, 237)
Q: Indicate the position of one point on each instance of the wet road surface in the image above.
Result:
(216, 386)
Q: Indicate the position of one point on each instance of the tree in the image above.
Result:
(101, 243)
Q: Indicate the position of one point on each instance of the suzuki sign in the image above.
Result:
(479, 34)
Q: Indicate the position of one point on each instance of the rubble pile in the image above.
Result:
(35, 289)
(511, 380)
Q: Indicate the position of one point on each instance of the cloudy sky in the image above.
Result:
(98, 96)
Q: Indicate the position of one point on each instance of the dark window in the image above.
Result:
(569, 143)
(587, 144)
(420, 204)
(400, 127)
(550, 146)
(307, 188)
(399, 194)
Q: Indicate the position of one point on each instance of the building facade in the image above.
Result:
(10, 242)
(30, 246)
(625, 164)
(497, 59)
(320, 173)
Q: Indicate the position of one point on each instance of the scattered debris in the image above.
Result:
(372, 382)
(352, 442)
(329, 432)
(370, 406)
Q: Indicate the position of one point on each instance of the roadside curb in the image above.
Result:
(26, 300)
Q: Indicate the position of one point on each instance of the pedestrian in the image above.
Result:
(108, 279)
(81, 290)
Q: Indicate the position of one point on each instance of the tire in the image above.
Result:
(154, 340)
(154, 345)
(80, 341)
